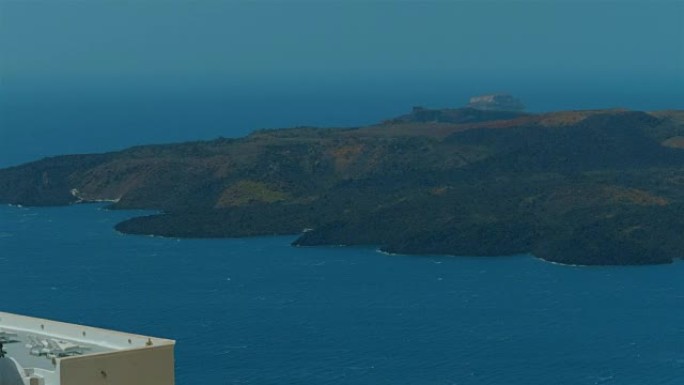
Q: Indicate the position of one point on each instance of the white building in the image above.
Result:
(43, 352)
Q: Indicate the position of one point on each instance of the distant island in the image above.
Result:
(600, 187)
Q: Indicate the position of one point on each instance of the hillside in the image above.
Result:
(577, 187)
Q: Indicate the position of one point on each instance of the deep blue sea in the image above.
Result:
(258, 311)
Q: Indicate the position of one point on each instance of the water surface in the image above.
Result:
(257, 311)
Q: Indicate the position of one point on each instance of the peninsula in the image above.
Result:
(603, 187)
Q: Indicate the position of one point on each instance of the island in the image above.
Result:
(599, 187)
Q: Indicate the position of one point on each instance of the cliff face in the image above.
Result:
(590, 187)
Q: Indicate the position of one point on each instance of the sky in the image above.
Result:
(627, 53)
(232, 41)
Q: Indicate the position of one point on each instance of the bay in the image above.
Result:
(258, 311)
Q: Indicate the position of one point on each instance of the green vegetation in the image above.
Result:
(586, 187)
(245, 192)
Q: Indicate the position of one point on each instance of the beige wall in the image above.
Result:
(144, 366)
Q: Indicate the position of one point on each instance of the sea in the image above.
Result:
(37, 121)
(259, 311)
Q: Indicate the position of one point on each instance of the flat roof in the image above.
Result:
(20, 348)
(63, 340)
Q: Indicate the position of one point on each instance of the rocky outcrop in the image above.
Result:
(496, 102)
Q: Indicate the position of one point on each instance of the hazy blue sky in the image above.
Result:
(236, 41)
